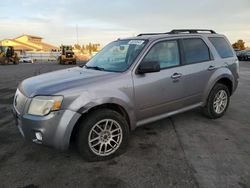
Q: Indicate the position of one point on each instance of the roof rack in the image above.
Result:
(179, 31)
(182, 31)
(142, 34)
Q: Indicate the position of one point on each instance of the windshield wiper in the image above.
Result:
(95, 68)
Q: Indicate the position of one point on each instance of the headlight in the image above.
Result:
(43, 105)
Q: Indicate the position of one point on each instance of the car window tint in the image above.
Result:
(195, 51)
(166, 53)
(222, 47)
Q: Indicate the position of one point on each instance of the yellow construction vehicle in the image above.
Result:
(67, 55)
(8, 55)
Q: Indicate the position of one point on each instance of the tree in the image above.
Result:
(77, 47)
(240, 44)
(83, 47)
(95, 47)
(89, 48)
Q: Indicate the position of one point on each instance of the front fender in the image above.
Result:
(89, 100)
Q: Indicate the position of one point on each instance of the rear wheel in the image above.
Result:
(217, 102)
(2, 59)
(103, 134)
(15, 62)
(6, 61)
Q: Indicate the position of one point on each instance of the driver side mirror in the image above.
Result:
(148, 67)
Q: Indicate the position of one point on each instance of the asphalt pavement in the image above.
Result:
(186, 150)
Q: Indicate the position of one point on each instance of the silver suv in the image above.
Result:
(131, 82)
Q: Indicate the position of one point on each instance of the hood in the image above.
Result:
(54, 82)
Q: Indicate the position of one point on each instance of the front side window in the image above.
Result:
(195, 51)
(222, 47)
(166, 53)
(117, 56)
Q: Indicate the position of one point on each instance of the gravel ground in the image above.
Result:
(186, 150)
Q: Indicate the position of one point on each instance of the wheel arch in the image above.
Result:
(227, 82)
(225, 79)
(113, 106)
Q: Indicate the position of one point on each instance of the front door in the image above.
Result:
(159, 92)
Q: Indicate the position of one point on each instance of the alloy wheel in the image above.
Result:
(220, 101)
(105, 137)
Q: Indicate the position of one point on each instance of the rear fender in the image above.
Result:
(217, 75)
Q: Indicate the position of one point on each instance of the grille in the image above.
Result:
(19, 101)
(69, 55)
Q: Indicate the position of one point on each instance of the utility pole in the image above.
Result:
(77, 40)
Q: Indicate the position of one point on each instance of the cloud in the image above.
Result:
(105, 20)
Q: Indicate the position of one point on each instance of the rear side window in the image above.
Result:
(195, 51)
(222, 47)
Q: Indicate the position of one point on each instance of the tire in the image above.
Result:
(90, 126)
(212, 109)
(6, 61)
(2, 61)
(60, 62)
(16, 62)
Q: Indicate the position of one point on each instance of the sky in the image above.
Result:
(102, 21)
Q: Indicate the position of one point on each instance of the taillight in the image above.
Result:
(237, 66)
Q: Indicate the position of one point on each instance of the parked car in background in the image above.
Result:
(130, 83)
(26, 59)
(243, 55)
(239, 54)
(247, 55)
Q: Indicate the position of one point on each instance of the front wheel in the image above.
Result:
(15, 62)
(217, 102)
(60, 61)
(103, 134)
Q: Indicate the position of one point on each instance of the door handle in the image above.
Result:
(211, 67)
(176, 76)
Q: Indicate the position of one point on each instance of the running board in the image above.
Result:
(162, 116)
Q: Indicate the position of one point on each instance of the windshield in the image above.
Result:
(117, 56)
(3, 48)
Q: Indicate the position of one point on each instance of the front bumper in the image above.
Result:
(54, 128)
(69, 59)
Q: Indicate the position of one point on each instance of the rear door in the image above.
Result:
(198, 65)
